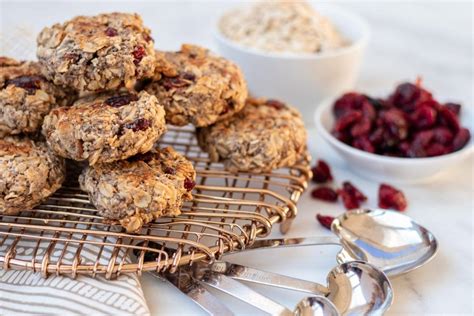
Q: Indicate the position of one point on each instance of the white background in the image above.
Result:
(434, 40)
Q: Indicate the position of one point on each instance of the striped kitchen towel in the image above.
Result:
(28, 293)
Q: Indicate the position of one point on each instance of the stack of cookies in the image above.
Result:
(101, 94)
(29, 170)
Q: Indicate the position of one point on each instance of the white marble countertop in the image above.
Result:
(431, 40)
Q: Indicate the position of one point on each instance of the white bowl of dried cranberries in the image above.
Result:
(407, 137)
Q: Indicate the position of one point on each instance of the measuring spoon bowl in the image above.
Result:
(386, 239)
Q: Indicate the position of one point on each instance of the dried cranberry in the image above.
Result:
(407, 96)
(321, 172)
(348, 200)
(436, 150)
(29, 83)
(138, 53)
(362, 127)
(423, 117)
(110, 31)
(275, 104)
(347, 120)
(420, 142)
(404, 148)
(364, 144)
(396, 123)
(352, 190)
(442, 135)
(344, 136)
(351, 196)
(169, 170)
(325, 194)
(391, 198)
(453, 107)
(461, 138)
(430, 103)
(368, 111)
(389, 142)
(348, 102)
(138, 125)
(121, 100)
(376, 138)
(416, 152)
(449, 119)
(379, 122)
(189, 76)
(173, 82)
(324, 220)
(423, 138)
(189, 184)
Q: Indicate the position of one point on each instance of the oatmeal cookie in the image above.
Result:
(265, 135)
(25, 97)
(106, 127)
(196, 86)
(30, 173)
(102, 52)
(133, 192)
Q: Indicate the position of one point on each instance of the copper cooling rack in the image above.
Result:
(65, 236)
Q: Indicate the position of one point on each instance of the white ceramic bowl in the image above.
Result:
(303, 80)
(390, 169)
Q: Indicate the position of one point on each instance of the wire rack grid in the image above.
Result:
(66, 236)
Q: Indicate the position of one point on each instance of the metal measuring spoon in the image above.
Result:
(185, 282)
(389, 240)
(196, 292)
(309, 306)
(355, 288)
(315, 305)
(358, 288)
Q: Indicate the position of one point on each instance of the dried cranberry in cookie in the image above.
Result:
(105, 127)
(29, 171)
(25, 97)
(197, 87)
(94, 53)
(133, 192)
(265, 135)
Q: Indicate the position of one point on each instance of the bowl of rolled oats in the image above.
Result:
(294, 51)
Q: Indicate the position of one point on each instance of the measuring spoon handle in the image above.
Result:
(294, 242)
(208, 302)
(244, 293)
(199, 294)
(244, 273)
